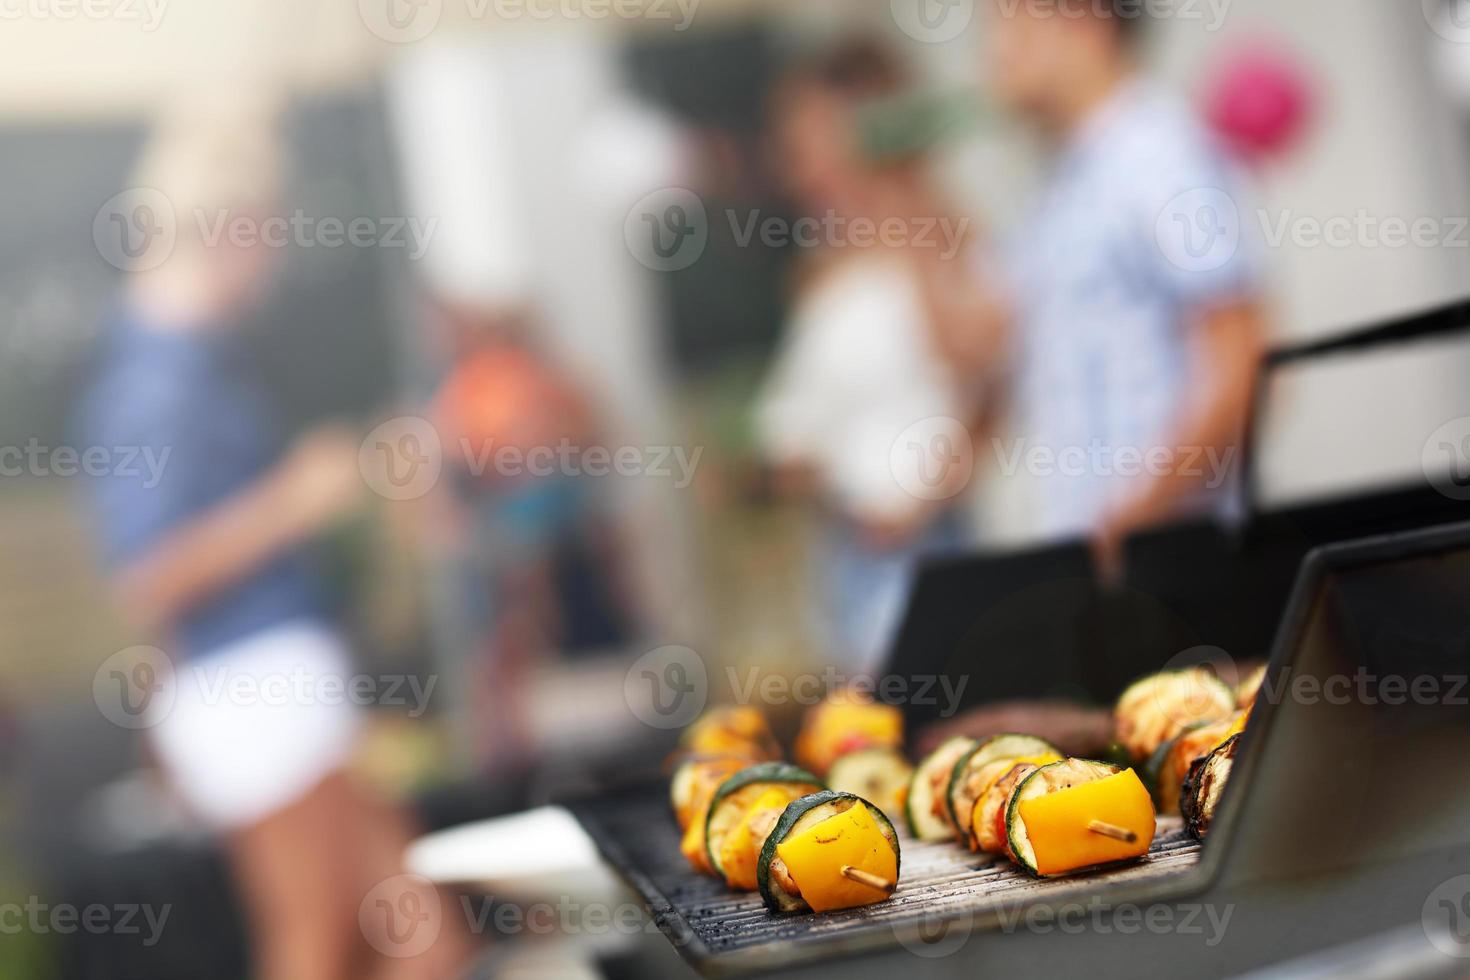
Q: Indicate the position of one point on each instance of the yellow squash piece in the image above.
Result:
(815, 860)
(1060, 825)
(692, 845)
(742, 846)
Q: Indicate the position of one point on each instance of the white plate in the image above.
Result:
(541, 855)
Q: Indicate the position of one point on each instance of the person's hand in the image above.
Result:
(318, 482)
(1111, 535)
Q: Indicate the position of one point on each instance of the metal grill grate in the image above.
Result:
(721, 931)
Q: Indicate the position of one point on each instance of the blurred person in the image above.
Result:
(1136, 323)
(1135, 317)
(535, 549)
(860, 362)
(216, 562)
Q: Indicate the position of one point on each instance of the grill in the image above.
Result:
(722, 932)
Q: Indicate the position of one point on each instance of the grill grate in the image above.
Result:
(721, 931)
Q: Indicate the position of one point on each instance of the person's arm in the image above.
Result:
(971, 320)
(317, 482)
(1228, 342)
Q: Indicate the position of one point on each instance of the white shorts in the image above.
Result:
(253, 726)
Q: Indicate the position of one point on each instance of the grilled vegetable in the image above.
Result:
(1179, 755)
(828, 851)
(696, 780)
(846, 722)
(1075, 815)
(1203, 786)
(1158, 708)
(925, 810)
(742, 846)
(975, 771)
(878, 775)
(988, 821)
(734, 798)
(732, 730)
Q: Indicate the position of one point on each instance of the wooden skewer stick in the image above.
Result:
(1114, 831)
(866, 878)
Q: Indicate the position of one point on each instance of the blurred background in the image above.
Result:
(501, 161)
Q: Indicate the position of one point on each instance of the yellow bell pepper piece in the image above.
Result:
(815, 859)
(1058, 823)
(692, 845)
(740, 850)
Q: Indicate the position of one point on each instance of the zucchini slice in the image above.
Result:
(1196, 743)
(988, 821)
(924, 811)
(1047, 779)
(879, 775)
(736, 794)
(978, 768)
(1160, 707)
(778, 890)
(1203, 786)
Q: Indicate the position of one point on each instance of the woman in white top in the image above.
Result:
(862, 367)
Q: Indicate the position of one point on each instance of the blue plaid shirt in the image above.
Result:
(1138, 227)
